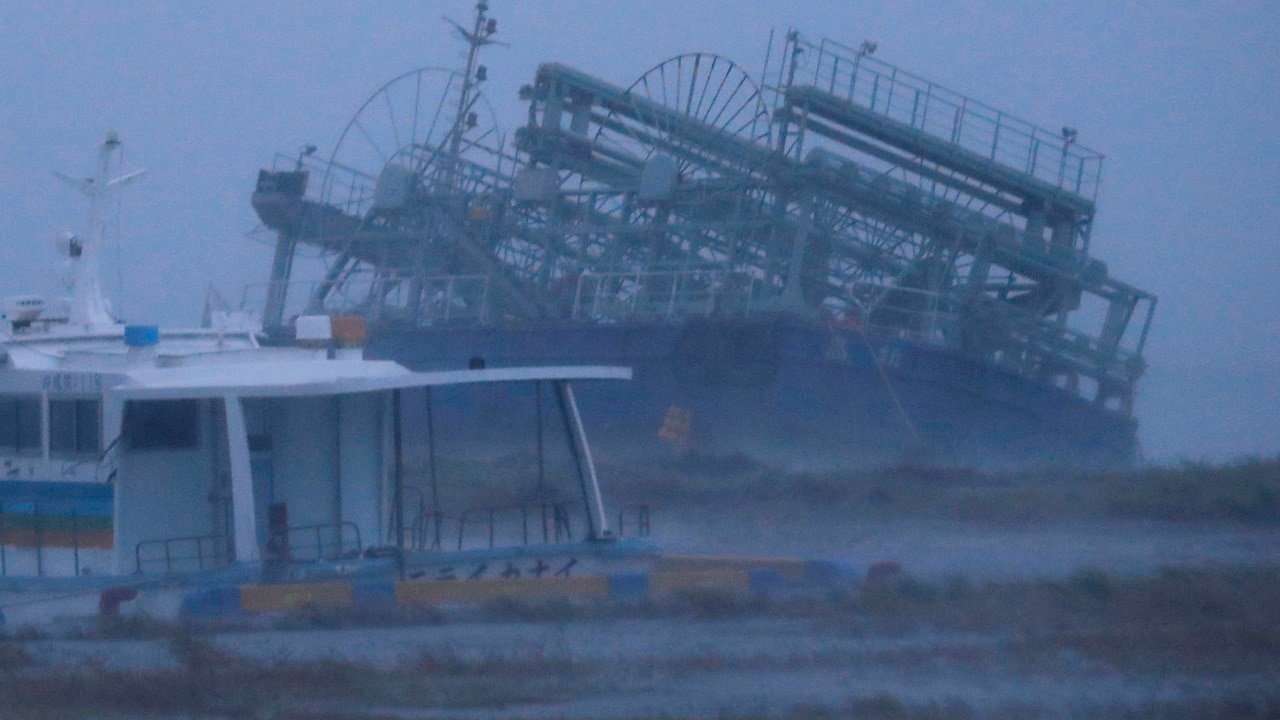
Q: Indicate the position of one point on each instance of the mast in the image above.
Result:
(89, 309)
(479, 36)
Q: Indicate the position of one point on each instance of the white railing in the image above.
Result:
(380, 295)
(614, 296)
(1052, 157)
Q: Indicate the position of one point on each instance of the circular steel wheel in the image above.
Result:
(698, 110)
(410, 172)
(409, 122)
(707, 89)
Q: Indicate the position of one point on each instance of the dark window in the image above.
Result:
(20, 424)
(74, 427)
(161, 424)
(88, 427)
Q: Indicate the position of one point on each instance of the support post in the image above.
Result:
(542, 472)
(244, 520)
(278, 288)
(597, 523)
(431, 465)
(397, 509)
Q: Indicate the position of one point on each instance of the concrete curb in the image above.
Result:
(669, 576)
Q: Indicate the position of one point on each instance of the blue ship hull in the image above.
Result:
(777, 389)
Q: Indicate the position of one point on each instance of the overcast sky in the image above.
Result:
(1184, 99)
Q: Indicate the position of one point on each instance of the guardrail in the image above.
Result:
(669, 294)
(382, 293)
(639, 515)
(553, 523)
(176, 554)
(1052, 157)
(307, 543)
(330, 542)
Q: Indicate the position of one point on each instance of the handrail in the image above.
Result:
(444, 298)
(218, 556)
(668, 293)
(211, 552)
(558, 530)
(427, 530)
(640, 512)
(319, 529)
(1052, 157)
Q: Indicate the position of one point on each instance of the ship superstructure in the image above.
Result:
(908, 256)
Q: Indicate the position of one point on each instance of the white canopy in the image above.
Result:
(328, 377)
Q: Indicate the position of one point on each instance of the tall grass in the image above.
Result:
(1247, 491)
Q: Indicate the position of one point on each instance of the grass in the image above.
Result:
(211, 681)
(1201, 622)
(1216, 621)
(1247, 491)
(1212, 622)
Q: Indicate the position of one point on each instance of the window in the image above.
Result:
(20, 424)
(74, 427)
(161, 424)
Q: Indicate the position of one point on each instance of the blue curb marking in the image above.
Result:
(212, 603)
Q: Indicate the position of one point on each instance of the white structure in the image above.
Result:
(193, 435)
(199, 432)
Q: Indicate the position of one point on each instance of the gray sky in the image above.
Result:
(1184, 98)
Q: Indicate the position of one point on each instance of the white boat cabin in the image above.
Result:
(199, 434)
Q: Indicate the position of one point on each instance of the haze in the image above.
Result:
(1184, 99)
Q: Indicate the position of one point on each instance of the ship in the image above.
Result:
(141, 463)
(835, 263)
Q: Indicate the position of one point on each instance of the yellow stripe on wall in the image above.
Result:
(791, 569)
(726, 580)
(265, 598)
(444, 592)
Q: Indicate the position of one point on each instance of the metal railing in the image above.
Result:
(669, 294)
(552, 526)
(307, 543)
(376, 294)
(353, 191)
(1052, 157)
(331, 541)
(183, 554)
(639, 515)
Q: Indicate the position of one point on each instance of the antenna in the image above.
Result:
(480, 35)
(89, 310)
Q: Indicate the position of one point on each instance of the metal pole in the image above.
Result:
(542, 473)
(431, 466)
(598, 523)
(75, 540)
(577, 458)
(397, 483)
(39, 541)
